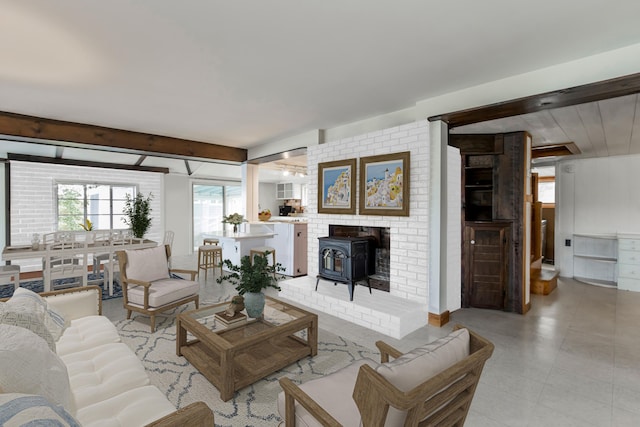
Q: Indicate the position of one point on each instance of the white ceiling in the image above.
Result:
(243, 73)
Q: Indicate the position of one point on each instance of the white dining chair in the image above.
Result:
(11, 275)
(65, 259)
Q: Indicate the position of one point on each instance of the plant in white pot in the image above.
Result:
(250, 279)
(137, 211)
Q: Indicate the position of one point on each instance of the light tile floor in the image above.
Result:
(573, 360)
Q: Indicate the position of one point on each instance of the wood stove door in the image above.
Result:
(486, 265)
(333, 263)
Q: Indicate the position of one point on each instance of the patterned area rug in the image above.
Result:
(252, 406)
(37, 286)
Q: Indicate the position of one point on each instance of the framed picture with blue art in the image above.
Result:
(384, 184)
(337, 186)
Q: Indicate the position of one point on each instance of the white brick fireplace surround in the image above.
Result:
(404, 308)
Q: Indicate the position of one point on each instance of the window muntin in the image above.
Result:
(102, 204)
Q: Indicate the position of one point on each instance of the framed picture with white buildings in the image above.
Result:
(384, 184)
(336, 187)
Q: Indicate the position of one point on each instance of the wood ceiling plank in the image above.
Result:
(571, 123)
(592, 120)
(548, 130)
(23, 126)
(617, 123)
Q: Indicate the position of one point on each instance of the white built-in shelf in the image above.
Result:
(595, 258)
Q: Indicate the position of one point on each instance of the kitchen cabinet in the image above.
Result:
(288, 190)
(290, 243)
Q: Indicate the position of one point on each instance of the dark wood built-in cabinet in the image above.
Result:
(495, 216)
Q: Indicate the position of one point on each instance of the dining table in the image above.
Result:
(42, 251)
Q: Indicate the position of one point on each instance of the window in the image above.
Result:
(547, 190)
(102, 204)
(210, 204)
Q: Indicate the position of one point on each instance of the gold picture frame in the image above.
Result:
(384, 184)
(337, 187)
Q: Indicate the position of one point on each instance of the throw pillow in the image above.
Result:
(16, 315)
(148, 264)
(18, 409)
(415, 367)
(31, 301)
(27, 365)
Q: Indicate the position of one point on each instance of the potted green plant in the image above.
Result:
(138, 214)
(251, 278)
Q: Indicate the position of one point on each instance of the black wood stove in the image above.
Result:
(344, 260)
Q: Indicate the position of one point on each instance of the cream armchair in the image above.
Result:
(147, 285)
(431, 385)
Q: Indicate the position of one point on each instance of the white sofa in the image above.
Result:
(107, 384)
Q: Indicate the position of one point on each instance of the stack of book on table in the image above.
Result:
(228, 320)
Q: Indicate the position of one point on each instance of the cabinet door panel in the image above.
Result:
(486, 265)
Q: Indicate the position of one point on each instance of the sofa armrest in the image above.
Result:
(292, 394)
(386, 350)
(77, 302)
(197, 414)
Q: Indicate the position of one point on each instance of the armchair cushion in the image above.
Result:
(163, 291)
(333, 392)
(415, 367)
(147, 265)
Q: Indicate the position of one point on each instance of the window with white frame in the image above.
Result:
(102, 204)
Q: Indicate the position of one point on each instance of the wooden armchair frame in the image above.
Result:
(146, 309)
(442, 400)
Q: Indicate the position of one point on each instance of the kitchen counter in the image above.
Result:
(242, 236)
(237, 245)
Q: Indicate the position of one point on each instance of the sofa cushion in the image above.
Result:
(27, 365)
(18, 409)
(31, 301)
(148, 264)
(15, 314)
(415, 367)
(164, 291)
(86, 333)
(103, 372)
(136, 407)
(334, 393)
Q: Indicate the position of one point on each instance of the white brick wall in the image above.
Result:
(33, 208)
(409, 235)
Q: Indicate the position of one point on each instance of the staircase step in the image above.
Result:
(544, 281)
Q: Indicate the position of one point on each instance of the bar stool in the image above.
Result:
(210, 241)
(262, 250)
(209, 257)
(11, 272)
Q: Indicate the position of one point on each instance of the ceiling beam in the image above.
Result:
(22, 126)
(592, 92)
(71, 162)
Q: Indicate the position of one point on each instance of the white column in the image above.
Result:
(250, 190)
(438, 137)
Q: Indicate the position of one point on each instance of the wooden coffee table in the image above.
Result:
(234, 356)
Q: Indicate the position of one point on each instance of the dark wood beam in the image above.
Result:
(44, 159)
(592, 92)
(19, 125)
(555, 150)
